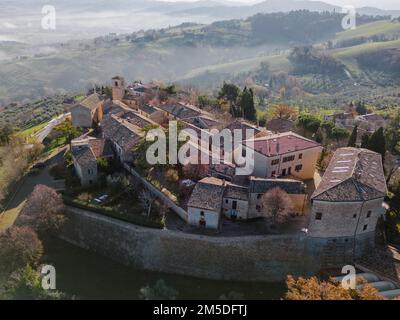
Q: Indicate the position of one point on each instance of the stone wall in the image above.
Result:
(249, 258)
(257, 258)
(344, 219)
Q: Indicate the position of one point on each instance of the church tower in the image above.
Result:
(118, 88)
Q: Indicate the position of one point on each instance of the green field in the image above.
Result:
(370, 29)
(348, 55)
(276, 63)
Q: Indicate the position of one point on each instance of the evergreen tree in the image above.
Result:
(377, 142)
(365, 141)
(247, 105)
(5, 134)
(361, 108)
(230, 93)
(353, 137)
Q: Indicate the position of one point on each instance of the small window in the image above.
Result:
(259, 196)
(354, 215)
(226, 201)
(274, 162)
(365, 227)
(369, 214)
(318, 216)
(300, 156)
(258, 208)
(202, 213)
(243, 152)
(234, 205)
(289, 158)
(298, 167)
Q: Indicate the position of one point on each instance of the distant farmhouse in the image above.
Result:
(279, 125)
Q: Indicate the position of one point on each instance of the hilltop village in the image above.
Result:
(308, 198)
(344, 203)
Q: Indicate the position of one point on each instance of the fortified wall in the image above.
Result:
(267, 258)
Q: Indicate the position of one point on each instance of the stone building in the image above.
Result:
(284, 155)
(279, 125)
(296, 191)
(87, 112)
(349, 200)
(370, 122)
(85, 152)
(118, 88)
(240, 202)
(123, 136)
(179, 111)
(205, 203)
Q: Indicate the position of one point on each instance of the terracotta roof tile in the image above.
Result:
(279, 144)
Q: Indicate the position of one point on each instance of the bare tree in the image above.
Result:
(44, 210)
(391, 166)
(284, 112)
(277, 205)
(19, 246)
(147, 198)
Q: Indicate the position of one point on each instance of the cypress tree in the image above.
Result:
(377, 142)
(365, 141)
(353, 137)
(247, 105)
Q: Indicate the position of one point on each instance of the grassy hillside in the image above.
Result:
(384, 27)
(275, 62)
(349, 55)
(187, 52)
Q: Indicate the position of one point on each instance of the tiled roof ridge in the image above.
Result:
(316, 194)
(130, 126)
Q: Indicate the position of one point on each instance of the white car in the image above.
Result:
(101, 199)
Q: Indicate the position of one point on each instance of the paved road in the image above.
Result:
(43, 133)
(28, 183)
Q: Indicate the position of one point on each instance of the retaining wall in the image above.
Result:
(266, 258)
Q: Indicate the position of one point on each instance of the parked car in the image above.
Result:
(101, 199)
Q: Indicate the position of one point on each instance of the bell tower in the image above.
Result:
(118, 88)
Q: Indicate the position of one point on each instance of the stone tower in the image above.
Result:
(347, 205)
(118, 88)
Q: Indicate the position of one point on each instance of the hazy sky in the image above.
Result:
(384, 4)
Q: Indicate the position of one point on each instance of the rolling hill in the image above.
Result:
(191, 54)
